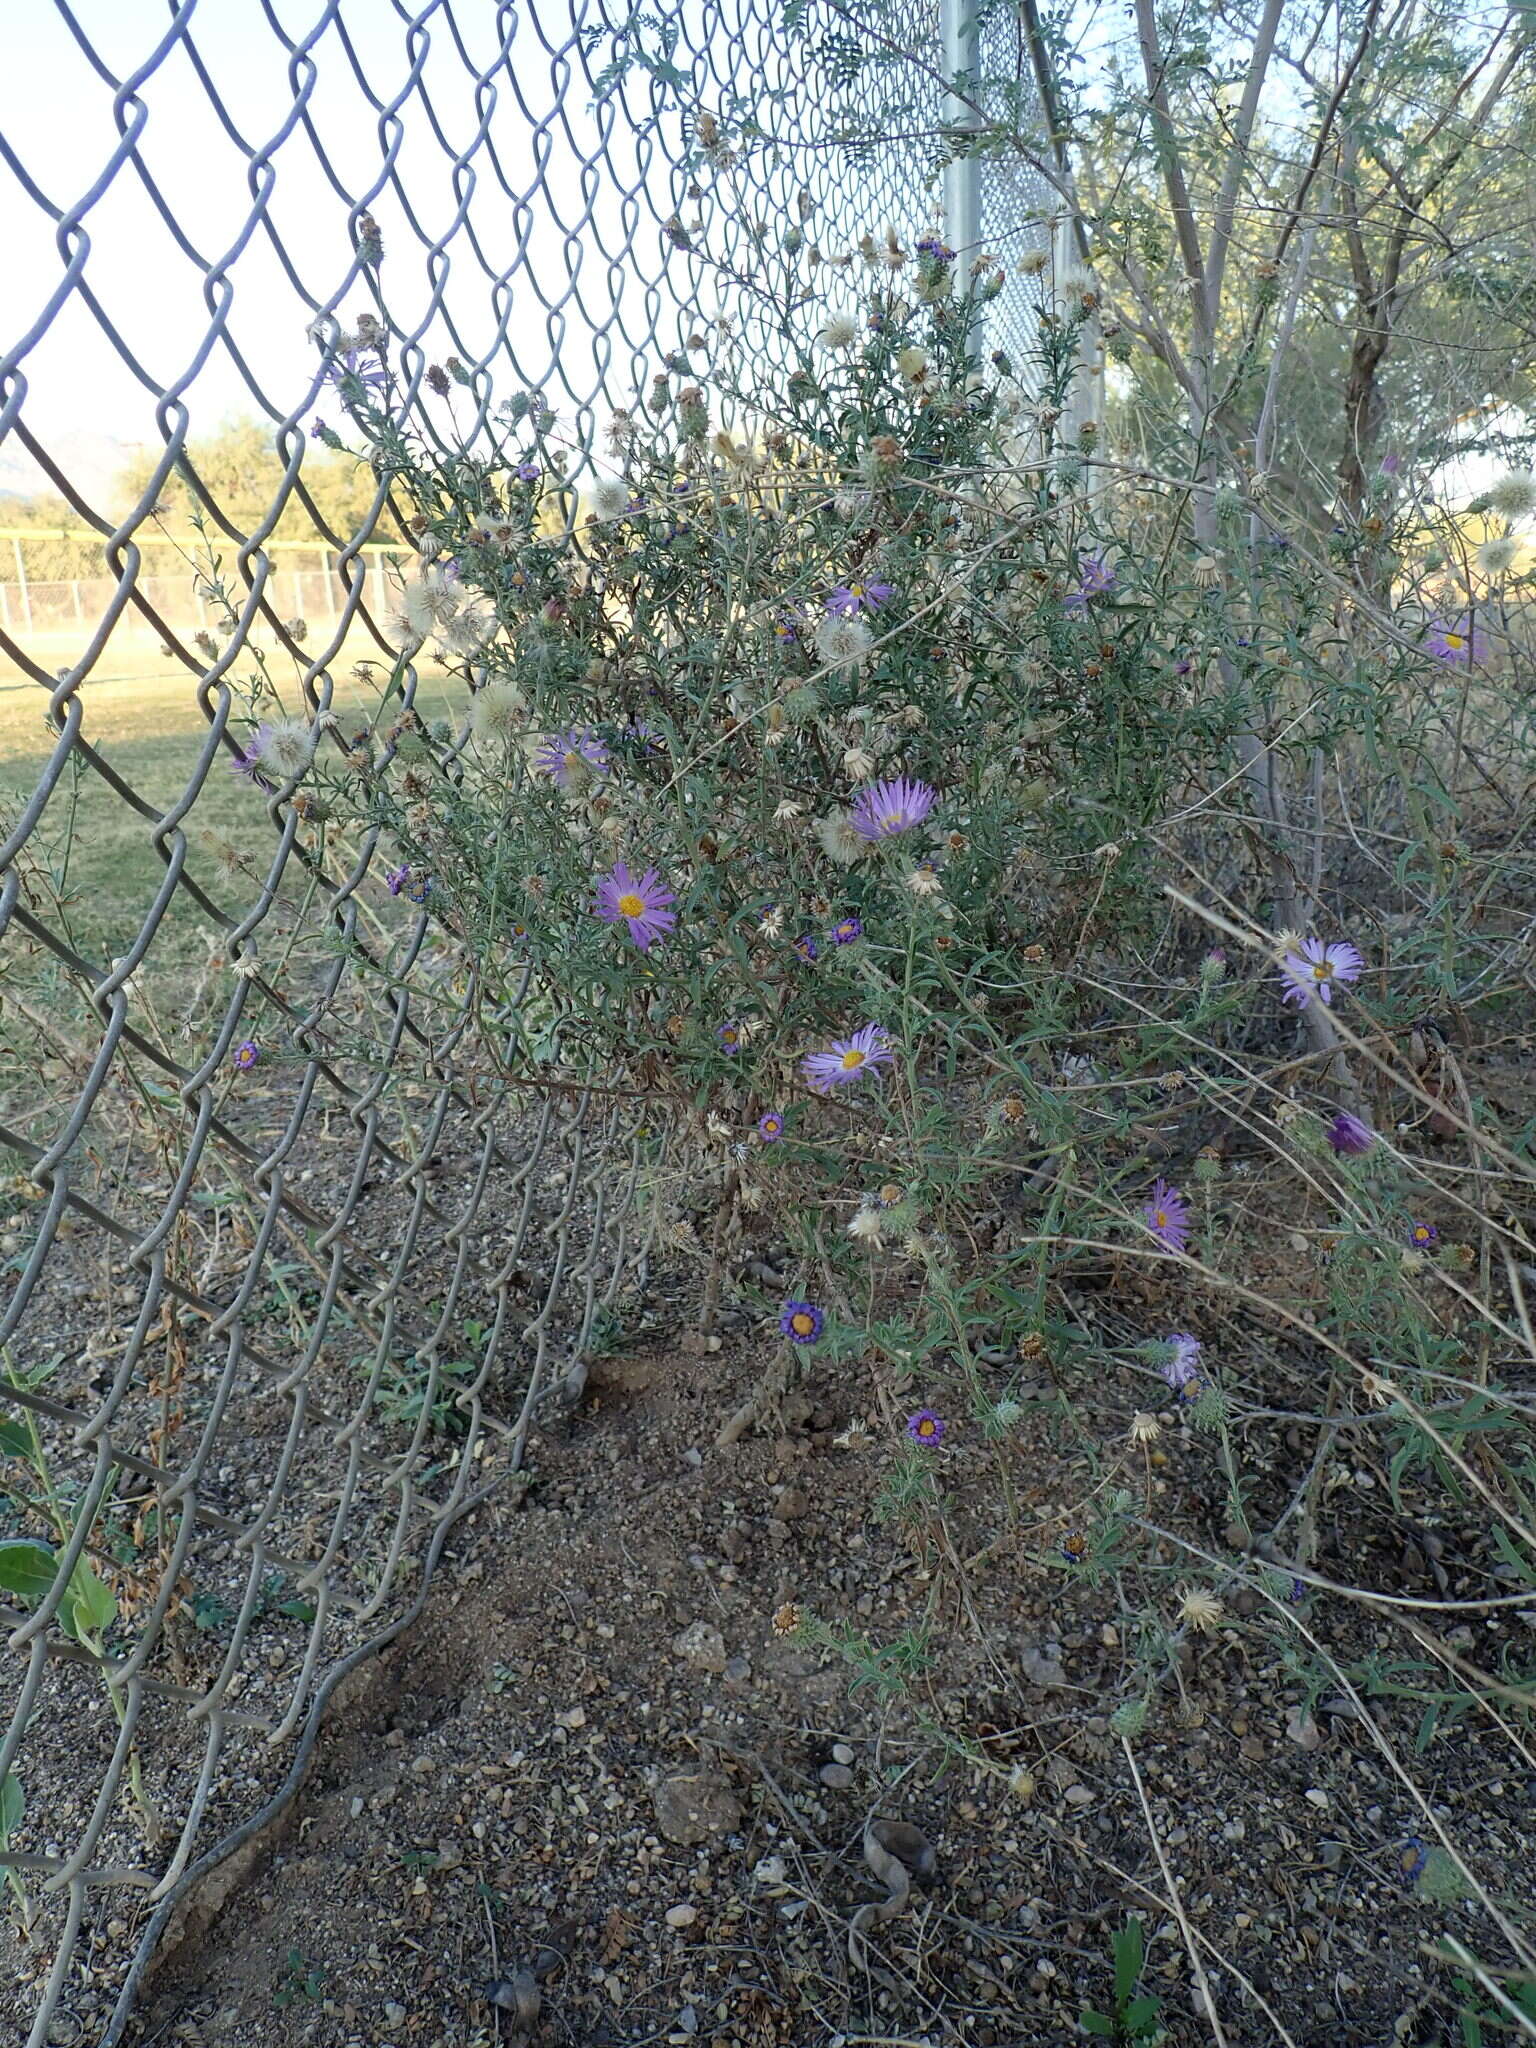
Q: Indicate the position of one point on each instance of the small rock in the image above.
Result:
(1042, 1668)
(1078, 1795)
(695, 1805)
(702, 1646)
(1302, 1729)
(682, 1916)
(1318, 1798)
(842, 1753)
(836, 1777)
(791, 1504)
(394, 2015)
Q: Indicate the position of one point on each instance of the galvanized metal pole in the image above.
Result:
(962, 173)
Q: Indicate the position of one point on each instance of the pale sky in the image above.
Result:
(57, 121)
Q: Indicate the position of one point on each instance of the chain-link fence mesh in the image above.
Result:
(269, 1332)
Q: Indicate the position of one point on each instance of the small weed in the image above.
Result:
(301, 1979)
(1135, 2021)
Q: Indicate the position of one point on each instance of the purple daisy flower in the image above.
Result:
(1422, 1235)
(1074, 1546)
(1411, 1860)
(806, 946)
(247, 763)
(359, 365)
(886, 808)
(925, 1427)
(418, 886)
(395, 879)
(246, 1055)
(849, 599)
(935, 250)
(1456, 643)
(1094, 577)
(527, 472)
(848, 1059)
(801, 1322)
(770, 1128)
(1316, 967)
(642, 904)
(1166, 1215)
(729, 1037)
(786, 632)
(566, 757)
(1183, 1359)
(846, 930)
(1348, 1135)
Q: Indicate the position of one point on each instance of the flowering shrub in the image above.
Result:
(846, 771)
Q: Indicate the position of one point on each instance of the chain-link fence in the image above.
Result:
(271, 1327)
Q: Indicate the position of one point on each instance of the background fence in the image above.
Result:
(268, 1337)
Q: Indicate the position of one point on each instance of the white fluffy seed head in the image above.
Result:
(1515, 494)
(843, 643)
(838, 839)
(1497, 556)
(497, 710)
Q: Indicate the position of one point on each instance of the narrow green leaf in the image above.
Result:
(13, 1805)
(90, 1605)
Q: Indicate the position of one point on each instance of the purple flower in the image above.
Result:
(358, 364)
(846, 930)
(1183, 1360)
(640, 904)
(247, 763)
(729, 1036)
(1166, 1215)
(246, 1055)
(1074, 1546)
(411, 883)
(1391, 464)
(770, 1128)
(925, 1427)
(1422, 1235)
(566, 757)
(1411, 1859)
(1456, 644)
(935, 250)
(1317, 967)
(527, 472)
(801, 1322)
(847, 1059)
(848, 599)
(1346, 1134)
(318, 429)
(786, 631)
(1094, 577)
(806, 946)
(886, 808)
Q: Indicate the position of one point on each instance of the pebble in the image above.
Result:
(836, 1777)
(842, 1753)
(701, 1645)
(1317, 1798)
(695, 1805)
(394, 2014)
(682, 1916)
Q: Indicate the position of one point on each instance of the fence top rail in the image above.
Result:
(186, 541)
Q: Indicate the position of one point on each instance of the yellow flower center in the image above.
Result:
(1160, 1218)
(1320, 971)
(925, 1427)
(855, 590)
(632, 904)
(1455, 641)
(802, 1324)
(891, 820)
(853, 1059)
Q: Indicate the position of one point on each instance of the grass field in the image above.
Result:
(145, 721)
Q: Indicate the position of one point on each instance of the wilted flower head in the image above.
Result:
(1200, 1611)
(1145, 1428)
(1316, 966)
(1166, 1215)
(641, 905)
(887, 808)
(925, 879)
(847, 1059)
(1183, 1360)
(867, 1225)
(843, 642)
(840, 332)
(1348, 1135)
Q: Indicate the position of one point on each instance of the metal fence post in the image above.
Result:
(962, 173)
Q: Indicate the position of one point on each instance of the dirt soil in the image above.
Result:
(599, 1762)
